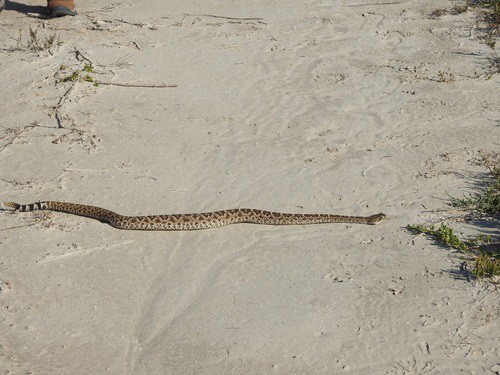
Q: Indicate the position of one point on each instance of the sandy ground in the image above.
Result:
(347, 107)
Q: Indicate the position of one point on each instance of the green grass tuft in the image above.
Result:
(486, 266)
(443, 234)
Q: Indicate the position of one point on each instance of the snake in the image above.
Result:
(194, 221)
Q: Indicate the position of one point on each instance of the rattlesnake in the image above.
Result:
(193, 221)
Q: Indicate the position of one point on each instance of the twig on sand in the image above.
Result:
(15, 133)
(78, 54)
(83, 252)
(224, 17)
(57, 108)
(388, 3)
(18, 226)
(137, 24)
(161, 86)
(7, 284)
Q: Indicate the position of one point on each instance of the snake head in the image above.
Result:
(377, 218)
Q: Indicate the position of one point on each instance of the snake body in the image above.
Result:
(205, 220)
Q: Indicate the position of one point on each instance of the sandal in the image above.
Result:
(60, 8)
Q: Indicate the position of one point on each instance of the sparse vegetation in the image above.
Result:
(492, 5)
(480, 250)
(83, 74)
(489, 11)
(486, 266)
(491, 16)
(36, 42)
(488, 200)
(443, 234)
(461, 8)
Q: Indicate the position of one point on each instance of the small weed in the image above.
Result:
(88, 68)
(79, 75)
(88, 78)
(490, 41)
(480, 240)
(488, 201)
(459, 9)
(37, 43)
(486, 266)
(73, 77)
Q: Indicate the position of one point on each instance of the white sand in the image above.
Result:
(349, 107)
